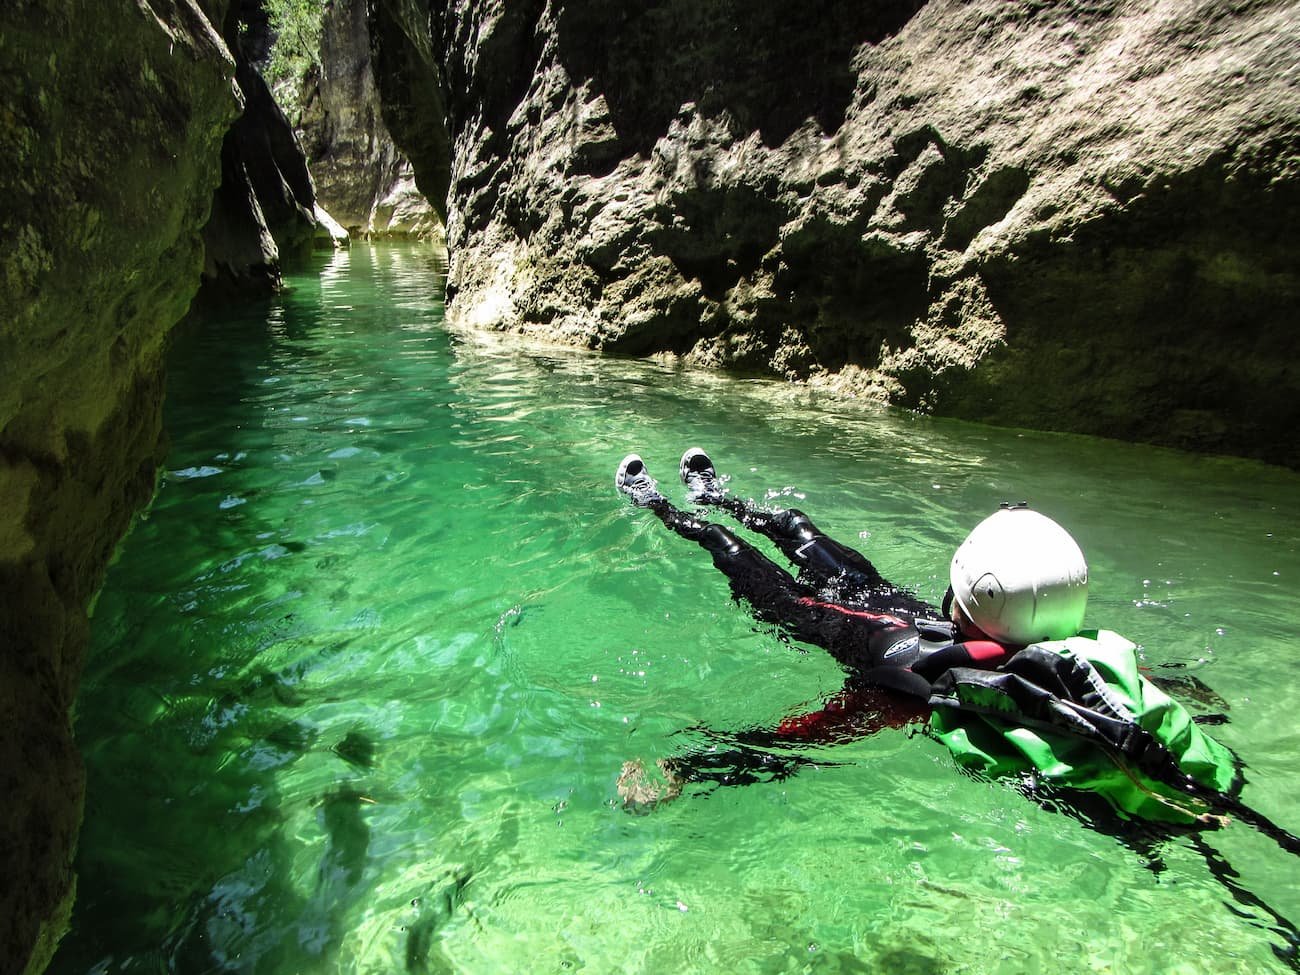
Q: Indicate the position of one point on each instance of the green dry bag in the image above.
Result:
(1078, 714)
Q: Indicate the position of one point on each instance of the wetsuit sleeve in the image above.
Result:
(767, 755)
(983, 654)
(852, 713)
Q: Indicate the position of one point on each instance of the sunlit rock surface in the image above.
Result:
(111, 125)
(361, 177)
(1066, 216)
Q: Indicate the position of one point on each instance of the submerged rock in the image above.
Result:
(110, 130)
(1066, 216)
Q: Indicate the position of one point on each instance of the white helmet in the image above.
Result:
(1021, 578)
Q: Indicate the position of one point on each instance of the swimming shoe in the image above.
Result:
(635, 481)
(701, 480)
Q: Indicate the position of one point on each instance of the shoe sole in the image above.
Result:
(690, 454)
(620, 477)
(640, 487)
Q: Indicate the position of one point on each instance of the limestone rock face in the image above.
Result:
(1074, 216)
(111, 123)
(361, 177)
(265, 207)
(412, 90)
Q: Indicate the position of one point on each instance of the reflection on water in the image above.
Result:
(363, 681)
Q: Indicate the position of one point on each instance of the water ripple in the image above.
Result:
(363, 681)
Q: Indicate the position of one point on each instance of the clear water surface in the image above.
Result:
(364, 678)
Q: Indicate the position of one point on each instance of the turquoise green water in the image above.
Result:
(363, 680)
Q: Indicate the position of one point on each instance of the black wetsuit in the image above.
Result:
(885, 637)
(882, 634)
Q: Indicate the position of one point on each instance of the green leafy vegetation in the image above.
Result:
(296, 25)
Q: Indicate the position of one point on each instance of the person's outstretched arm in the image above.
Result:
(769, 755)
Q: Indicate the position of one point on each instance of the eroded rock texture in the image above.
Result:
(361, 178)
(265, 208)
(111, 123)
(1072, 216)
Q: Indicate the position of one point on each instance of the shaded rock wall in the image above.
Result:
(1069, 216)
(412, 91)
(111, 123)
(265, 207)
(361, 177)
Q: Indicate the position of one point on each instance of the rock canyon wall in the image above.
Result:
(1074, 216)
(110, 135)
(265, 208)
(361, 178)
(139, 155)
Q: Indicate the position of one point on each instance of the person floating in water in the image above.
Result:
(1004, 673)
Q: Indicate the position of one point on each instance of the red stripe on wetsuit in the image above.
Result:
(853, 714)
(982, 651)
(859, 613)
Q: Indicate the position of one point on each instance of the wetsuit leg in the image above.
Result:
(853, 636)
(825, 563)
(755, 578)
